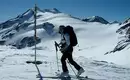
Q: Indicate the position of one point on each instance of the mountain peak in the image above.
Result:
(53, 10)
(96, 19)
(127, 21)
(115, 22)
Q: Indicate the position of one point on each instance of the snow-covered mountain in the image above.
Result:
(94, 40)
(14, 30)
(96, 19)
(124, 41)
(115, 22)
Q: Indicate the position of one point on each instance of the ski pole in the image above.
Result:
(57, 56)
(72, 68)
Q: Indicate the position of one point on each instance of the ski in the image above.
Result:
(73, 77)
(68, 77)
(57, 77)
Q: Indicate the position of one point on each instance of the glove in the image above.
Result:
(64, 49)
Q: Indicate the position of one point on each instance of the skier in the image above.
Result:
(67, 42)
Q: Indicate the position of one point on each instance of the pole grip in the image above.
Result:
(56, 44)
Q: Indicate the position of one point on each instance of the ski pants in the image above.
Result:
(68, 55)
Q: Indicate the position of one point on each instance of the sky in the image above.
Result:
(110, 10)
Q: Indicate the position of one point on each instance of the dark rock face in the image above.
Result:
(27, 42)
(49, 28)
(2, 42)
(126, 21)
(54, 10)
(125, 39)
(9, 35)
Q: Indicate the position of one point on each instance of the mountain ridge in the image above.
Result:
(96, 19)
(45, 18)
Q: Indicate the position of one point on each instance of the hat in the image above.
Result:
(61, 27)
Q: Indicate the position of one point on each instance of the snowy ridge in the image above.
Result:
(96, 19)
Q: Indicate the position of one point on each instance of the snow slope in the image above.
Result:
(95, 39)
(14, 67)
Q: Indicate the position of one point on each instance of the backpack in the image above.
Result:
(73, 38)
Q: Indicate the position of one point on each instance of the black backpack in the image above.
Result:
(73, 38)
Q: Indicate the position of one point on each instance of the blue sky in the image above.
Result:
(109, 9)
